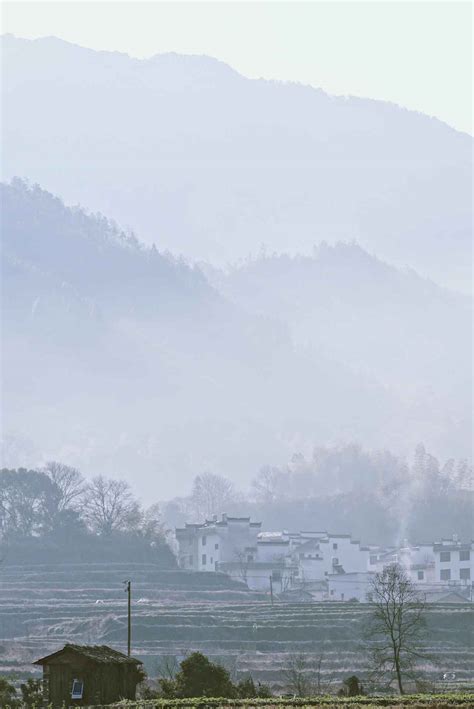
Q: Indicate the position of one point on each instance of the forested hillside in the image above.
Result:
(406, 331)
(121, 359)
(208, 163)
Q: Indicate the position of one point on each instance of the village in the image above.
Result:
(236, 451)
(292, 570)
(321, 566)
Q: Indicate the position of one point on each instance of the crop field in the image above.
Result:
(175, 613)
(415, 701)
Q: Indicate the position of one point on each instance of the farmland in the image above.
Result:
(175, 613)
(416, 701)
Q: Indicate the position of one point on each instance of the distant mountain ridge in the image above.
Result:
(407, 331)
(120, 359)
(123, 360)
(86, 254)
(208, 163)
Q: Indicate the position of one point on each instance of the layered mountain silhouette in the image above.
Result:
(205, 162)
(405, 330)
(121, 359)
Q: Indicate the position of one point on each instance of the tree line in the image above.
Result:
(55, 504)
(375, 495)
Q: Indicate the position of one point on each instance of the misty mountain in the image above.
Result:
(123, 360)
(203, 161)
(406, 331)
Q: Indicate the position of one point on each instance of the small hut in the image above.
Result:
(80, 675)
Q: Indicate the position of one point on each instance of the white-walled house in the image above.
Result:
(325, 554)
(311, 563)
(270, 567)
(419, 562)
(233, 544)
(318, 560)
(454, 562)
(350, 586)
(347, 553)
(431, 565)
(278, 576)
(203, 547)
(378, 556)
(272, 546)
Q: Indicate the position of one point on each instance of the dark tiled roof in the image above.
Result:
(452, 547)
(96, 653)
(256, 565)
(339, 536)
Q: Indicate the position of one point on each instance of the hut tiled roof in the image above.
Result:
(97, 653)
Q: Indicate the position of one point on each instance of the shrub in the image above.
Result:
(32, 693)
(199, 677)
(246, 689)
(8, 694)
(351, 687)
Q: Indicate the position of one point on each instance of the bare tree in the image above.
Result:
(297, 676)
(322, 684)
(396, 628)
(110, 506)
(211, 494)
(152, 526)
(69, 483)
(243, 559)
(270, 485)
(167, 667)
(304, 675)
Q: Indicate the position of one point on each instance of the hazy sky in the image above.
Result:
(417, 54)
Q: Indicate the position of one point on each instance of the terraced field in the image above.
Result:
(176, 612)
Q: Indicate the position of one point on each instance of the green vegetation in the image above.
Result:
(434, 701)
(199, 677)
(53, 514)
(375, 495)
(31, 694)
(417, 701)
(7, 693)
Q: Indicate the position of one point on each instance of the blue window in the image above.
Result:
(77, 689)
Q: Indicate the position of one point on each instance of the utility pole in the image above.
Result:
(271, 589)
(128, 591)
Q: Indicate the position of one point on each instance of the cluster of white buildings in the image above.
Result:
(319, 565)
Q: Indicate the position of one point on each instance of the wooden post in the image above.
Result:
(271, 589)
(128, 589)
